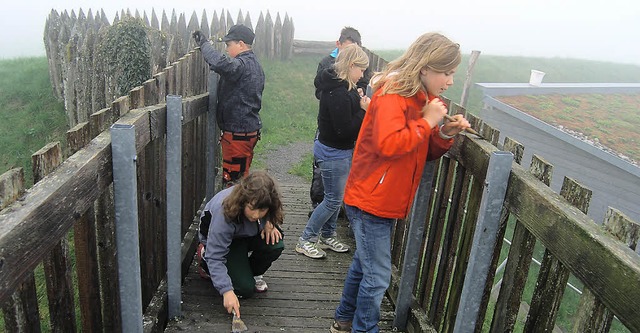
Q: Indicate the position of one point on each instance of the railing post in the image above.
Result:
(123, 147)
(417, 218)
(484, 240)
(174, 203)
(212, 135)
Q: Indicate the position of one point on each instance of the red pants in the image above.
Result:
(237, 154)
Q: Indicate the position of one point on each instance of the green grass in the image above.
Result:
(289, 106)
(31, 116)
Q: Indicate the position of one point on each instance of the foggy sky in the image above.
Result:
(584, 29)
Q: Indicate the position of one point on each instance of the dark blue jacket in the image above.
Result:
(239, 90)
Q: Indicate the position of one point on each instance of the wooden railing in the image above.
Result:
(76, 196)
(574, 244)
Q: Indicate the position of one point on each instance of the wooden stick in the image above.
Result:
(470, 130)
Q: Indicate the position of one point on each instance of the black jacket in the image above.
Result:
(340, 115)
(239, 90)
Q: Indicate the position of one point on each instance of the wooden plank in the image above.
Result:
(188, 74)
(579, 244)
(120, 107)
(170, 80)
(108, 264)
(179, 78)
(397, 242)
(473, 154)
(518, 261)
(433, 242)
(45, 160)
(161, 86)
(87, 271)
(78, 137)
(553, 276)
(194, 107)
(158, 122)
(148, 259)
(150, 92)
(136, 97)
(460, 192)
(189, 154)
(100, 121)
(515, 147)
(20, 310)
(11, 186)
(57, 264)
(21, 313)
(476, 188)
(455, 178)
(27, 230)
(427, 244)
(592, 315)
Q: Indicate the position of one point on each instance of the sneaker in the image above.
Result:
(310, 250)
(261, 286)
(340, 327)
(333, 244)
(202, 270)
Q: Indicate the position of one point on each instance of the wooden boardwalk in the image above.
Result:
(303, 292)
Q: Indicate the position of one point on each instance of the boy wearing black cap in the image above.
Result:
(239, 98)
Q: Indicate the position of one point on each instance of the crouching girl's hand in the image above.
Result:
(230, 302)
(270, 233)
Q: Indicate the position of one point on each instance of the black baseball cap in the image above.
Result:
(240, 32)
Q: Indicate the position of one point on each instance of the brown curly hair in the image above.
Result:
(259, 190)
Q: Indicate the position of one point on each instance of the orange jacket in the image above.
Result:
(393, 146)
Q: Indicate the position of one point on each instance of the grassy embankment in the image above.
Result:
(31, 117)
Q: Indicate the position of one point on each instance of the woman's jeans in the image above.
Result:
(324, 218)
(370, 272)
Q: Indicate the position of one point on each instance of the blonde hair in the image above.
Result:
(351, 54)
(430, 51)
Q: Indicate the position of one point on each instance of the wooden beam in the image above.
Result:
(609, 269)
(29, 229)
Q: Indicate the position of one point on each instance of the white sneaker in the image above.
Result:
(333, 244)
(310, 250)
(261, 285)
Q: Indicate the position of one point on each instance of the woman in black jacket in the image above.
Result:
(341, 112)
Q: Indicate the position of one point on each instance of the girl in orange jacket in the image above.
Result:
(399, 133)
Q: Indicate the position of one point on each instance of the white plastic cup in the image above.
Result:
(536, 77)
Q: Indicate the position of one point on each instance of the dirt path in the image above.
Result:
(280, 162)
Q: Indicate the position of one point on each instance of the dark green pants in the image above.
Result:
(242, 267)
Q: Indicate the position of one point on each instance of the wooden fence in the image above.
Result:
(77, 195)
(601, 258)
(80, 79)
(73, 199)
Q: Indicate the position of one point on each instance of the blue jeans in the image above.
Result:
(324, 218)
(370, 272)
